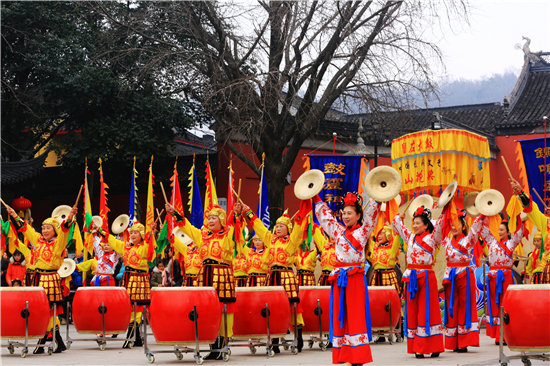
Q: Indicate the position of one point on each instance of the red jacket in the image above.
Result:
(16, 271)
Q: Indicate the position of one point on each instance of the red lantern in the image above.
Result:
(21, 204)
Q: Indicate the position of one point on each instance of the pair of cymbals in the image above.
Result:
(423, 200)
(381, 184)
(489, 202)
(120, 224)
(67, 268)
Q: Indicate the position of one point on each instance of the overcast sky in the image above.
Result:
(487, 47)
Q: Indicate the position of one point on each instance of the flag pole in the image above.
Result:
(163, 193)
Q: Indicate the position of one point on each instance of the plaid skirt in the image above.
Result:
(190, 281)
(219, 276)
(256, 279)
(138, 286)
(29, 276)
(385, 277)
(546, 273)
(240, 281)
(281, 276)
(323, 279)
(306, 278)
(50, 280)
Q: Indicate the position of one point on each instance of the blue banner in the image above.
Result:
(342, 174)
(263, 204)
(197, 213)
(533, 156)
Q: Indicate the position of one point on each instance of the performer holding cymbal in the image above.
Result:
(461, 325)
(48, 256)
(423, 327)
(216, 246)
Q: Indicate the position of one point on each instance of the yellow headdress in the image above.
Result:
(219, 212)
(52, 221)
(388, 232)
(538, 235)
(285, 220)
(139, 228)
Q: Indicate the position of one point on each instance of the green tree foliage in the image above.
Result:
(58, 77)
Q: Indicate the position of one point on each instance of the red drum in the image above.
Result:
(86, 309)
(250, 321)
(172, 318)
(379, 296)
(12, 303)
(526, 310)
(308, 299)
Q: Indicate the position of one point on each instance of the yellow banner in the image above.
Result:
(429, 160)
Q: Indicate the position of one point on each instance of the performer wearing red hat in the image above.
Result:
(423, 327)
(350, 328)
(48, 256)
(136, 277)
(461, 325)
(192, 263)
(216, 245)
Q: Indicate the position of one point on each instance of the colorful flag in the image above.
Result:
(195, 203)
(163, 240)
(175, 198)
(150, 214)
(103, 209)
(88, 236)
(133, 196)
(211, 198)
(263, 203)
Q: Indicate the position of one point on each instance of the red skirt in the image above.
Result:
(190, 281)
(323, 279)
(256, 279)
(493, 311)
(418, 340)
(350, 339)
(306, 278)
(456, 333)
(240, 281)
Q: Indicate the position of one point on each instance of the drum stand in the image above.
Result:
(391, 331)
(13, 344)
(312, 339)
(101, 339)
(180, 350)
(253, 343)
(524, 357)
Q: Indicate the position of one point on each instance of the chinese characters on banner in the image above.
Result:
(531, 156)
(342, 175)
(429, 160)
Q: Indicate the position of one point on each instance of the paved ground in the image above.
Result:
(88, 353)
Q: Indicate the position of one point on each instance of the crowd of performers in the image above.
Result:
(221, 256)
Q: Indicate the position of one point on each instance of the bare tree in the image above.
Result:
(269, 73)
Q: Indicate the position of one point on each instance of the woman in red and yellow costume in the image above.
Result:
(325, 246)
(306, 261)
(240, 269)
(192, 263)
(258, 262)
(535, 266)
(383, 254)
(137, 251)
(216, 246)
(49, 250)
(282, 245)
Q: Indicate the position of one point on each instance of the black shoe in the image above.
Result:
(498, 344)
(300, 339)
(40, 350)
(418, 355)
(114, 336)
(434, 355)
(275, 348)
(215, 355)
(380, 340)
(462, 350)
(60, 345)
(130, 335)
(329, 345)
(455, 350)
